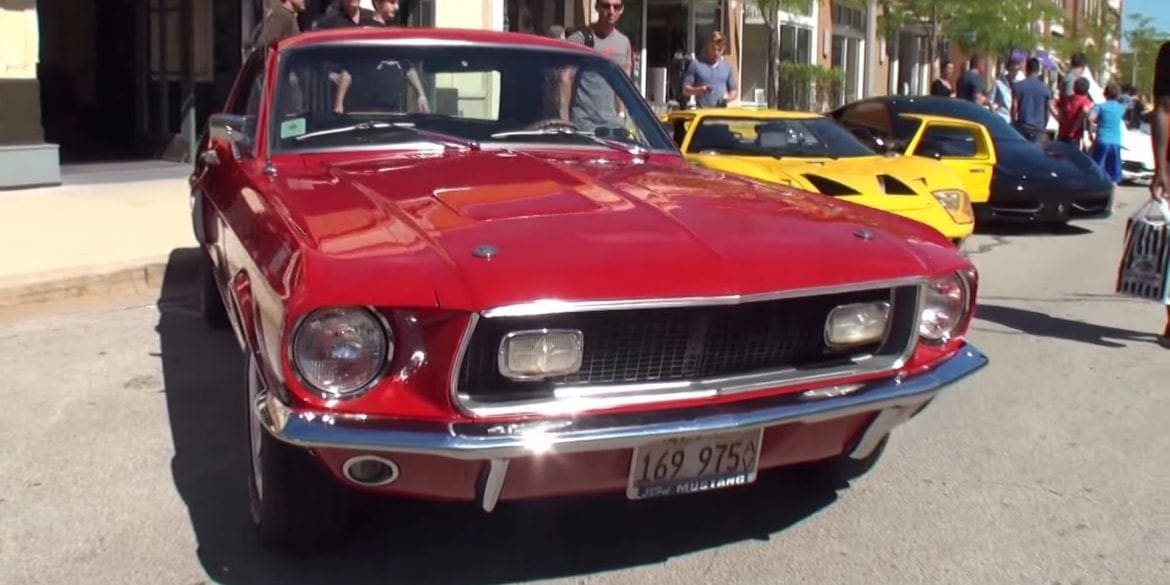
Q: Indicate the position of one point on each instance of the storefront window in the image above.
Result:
(754, 74)
(795, 44)
(533, 16)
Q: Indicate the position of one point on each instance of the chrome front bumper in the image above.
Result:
(896, 399)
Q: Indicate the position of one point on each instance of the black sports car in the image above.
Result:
(1008, 177)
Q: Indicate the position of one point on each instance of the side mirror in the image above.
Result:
(232, 132)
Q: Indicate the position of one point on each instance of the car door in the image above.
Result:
(222, 166)
(964, 146)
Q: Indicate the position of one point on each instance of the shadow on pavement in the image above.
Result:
(1036, 323)
(1027, 229)
(403, 541)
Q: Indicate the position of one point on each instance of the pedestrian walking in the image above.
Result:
(280, 20)
(1001, 92)
(941, 87)
(595, 103)
(1031, 104)
(1160, 139)
(710, 78)
(1109, 117)
(1073, 114)
(971, 84)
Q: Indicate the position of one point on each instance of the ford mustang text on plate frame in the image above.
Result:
(524, 291)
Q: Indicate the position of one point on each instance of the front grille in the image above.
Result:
(1133, 166)
(684, 343)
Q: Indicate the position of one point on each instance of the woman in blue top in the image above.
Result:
(1109, 117)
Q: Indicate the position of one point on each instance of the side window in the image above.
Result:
(948, 142)
(247, 102)
(869, 122)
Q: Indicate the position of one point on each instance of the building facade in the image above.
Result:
(134, 79)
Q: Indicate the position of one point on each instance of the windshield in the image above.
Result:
(348, 95)
(803, 137)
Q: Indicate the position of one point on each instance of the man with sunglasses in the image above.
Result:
(595, 103)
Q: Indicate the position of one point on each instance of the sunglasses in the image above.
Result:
(606, 6)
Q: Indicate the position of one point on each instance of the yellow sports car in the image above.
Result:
(812, 152)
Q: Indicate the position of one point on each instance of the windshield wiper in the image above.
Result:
(634, 149)
(437, 137)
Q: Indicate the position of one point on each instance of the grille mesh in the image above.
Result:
(673, 344)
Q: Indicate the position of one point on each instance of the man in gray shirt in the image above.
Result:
(710, 78)
(594, 103)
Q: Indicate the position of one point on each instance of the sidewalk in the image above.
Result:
(107, 228)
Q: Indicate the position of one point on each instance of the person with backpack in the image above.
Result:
(595, 103)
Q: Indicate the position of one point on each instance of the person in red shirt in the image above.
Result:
(1073, 114)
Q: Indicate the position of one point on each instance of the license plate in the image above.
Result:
(694, 464)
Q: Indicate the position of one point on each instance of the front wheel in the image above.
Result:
(295, 504)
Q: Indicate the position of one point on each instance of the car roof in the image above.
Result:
(938, 106)
(749, 114)
(422, 35)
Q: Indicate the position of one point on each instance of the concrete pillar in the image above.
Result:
(873, 53)
(25, 159)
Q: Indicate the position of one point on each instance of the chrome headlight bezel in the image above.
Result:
(938, 297)
(576, 339)
(380, 360)
(884, 307)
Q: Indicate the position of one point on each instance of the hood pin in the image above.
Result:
(864, 234)
(485, 251)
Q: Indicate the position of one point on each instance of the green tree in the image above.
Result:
(936, 15)
(990, 27)
(1137, 65)
(995, 27)
(770, 10)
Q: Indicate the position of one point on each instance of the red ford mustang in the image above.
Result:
(519, 289)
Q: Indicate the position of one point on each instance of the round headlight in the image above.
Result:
(340, 351)
(944, 308)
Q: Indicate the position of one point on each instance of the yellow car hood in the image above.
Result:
(888, 183)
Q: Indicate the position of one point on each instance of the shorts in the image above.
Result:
(1108, 157)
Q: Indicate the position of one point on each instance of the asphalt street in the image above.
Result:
(123, 461)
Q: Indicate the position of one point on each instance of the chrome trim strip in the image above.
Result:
(573, 399)
(556, 306)
(879, 427)
(491, 483)
(486, 441)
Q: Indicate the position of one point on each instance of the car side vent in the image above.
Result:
(829, 186)
(892, 186)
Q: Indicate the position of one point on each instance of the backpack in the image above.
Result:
(586, 32)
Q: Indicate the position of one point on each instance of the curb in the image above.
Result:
(136, 277)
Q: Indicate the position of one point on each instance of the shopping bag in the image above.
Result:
(1145, 262)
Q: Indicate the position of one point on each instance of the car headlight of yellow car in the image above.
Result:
(957, 203)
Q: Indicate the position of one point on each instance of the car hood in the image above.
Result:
(1055, 163)
(484, 229)
(868, 180)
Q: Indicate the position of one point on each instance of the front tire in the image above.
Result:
(296, 505)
